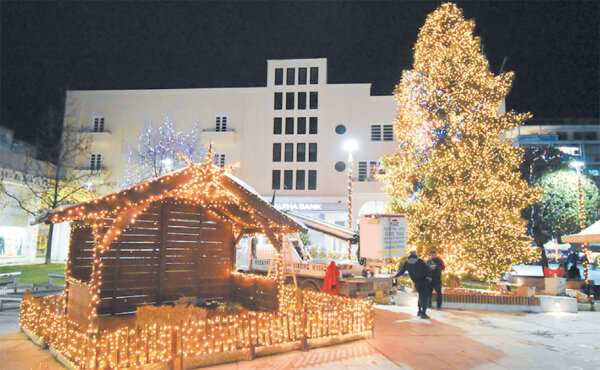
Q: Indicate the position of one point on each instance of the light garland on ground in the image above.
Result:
(164, 333)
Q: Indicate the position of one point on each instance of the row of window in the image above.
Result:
(96, 160)
(219, 159)
(290, 100)
(382, 132)
(367, 170)
(288, 180)
(98, 124)
(300, 126)
(221, 123)
(290, 76)
(300, 152)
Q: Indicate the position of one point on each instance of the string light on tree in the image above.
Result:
(158, 151)
(452, 176)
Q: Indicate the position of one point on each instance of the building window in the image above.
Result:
(375, 132)
(219, 160)
(221, 123)
(289, 100)
(289, 152)
(314, 75)
(95, 162)
(278, 76)
(584, 135)
(312, 180)
(289, 126)
(367, 170)
(278, 103)
(301, 125)
(277, 126)
(301, 76)
(362, 170)
(288, 176)
(277, 152)
(313, 123)
(382, 132)
(290, 76)
(301, 152)
(301, 100)
(314, 100)
(562, 135)
(98, 124)
(312, 152)
(300, 180)
(388, 133)
(276, 180)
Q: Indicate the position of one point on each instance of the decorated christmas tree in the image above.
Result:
(453, 177)
(161, 150)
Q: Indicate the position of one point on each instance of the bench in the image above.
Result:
(14, 276)
(55, 276)
(51, 285)
(4, 300)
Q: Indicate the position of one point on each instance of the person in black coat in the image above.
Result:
(420, 274)
(436, 265)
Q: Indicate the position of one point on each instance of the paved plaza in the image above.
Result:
(451, 339)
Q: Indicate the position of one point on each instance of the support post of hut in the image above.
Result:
(304, 331)
(251, 352)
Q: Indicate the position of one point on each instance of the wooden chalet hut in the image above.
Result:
(161, 240)
(168, 238)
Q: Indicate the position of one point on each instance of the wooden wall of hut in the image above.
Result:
(255, 294)
(171, 250)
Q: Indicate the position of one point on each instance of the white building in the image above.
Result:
(21, 242)
(578, 137)
(287, 136)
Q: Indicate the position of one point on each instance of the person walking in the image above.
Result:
(437, 266)
(420, 274)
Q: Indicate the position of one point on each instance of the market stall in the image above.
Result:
(136, 255)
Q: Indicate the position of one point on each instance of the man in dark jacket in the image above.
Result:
(437, 266)
(420, 274)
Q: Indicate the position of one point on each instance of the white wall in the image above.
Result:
(250, 113)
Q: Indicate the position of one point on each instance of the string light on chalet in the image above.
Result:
(455, 180)
(171, 332)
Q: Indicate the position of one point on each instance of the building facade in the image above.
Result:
(20, 241)
(287, 137)
(578, 137)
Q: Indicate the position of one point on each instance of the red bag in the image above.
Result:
(548, 272)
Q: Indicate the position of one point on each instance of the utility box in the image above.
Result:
(382, 236)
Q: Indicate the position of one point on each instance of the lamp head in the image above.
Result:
(577, 164)
(350, 145)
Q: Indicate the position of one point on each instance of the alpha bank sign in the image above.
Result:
(299, 206)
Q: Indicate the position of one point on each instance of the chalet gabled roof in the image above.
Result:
(204, 184)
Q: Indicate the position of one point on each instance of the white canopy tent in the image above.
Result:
(590, 234)
(553, 245)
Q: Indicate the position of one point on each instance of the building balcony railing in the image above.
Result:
(98, 133)
(218, 136)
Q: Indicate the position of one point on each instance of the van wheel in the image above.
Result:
(310, 286)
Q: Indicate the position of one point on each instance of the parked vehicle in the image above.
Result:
(382, 237)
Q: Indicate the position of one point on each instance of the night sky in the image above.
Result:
(49, 47)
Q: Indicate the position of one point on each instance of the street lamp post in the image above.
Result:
(577, 165)
(350, 146)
